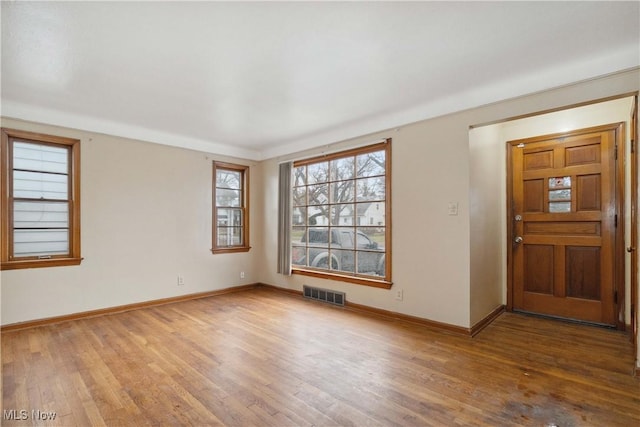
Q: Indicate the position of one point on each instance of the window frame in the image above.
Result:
(244, 185)
(7, 259)
(356, 278)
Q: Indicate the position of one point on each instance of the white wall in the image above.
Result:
(451, 268)
(487, 200)
(428, 172)
(146, 218)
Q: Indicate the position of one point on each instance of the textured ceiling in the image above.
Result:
(258, 80)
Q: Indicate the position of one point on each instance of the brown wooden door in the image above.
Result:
(563, 225)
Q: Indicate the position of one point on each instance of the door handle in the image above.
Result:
(631, 249)
(518, 239)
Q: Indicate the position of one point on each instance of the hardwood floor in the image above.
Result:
(267, 358)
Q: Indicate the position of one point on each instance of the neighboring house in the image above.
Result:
(370, 214)
(367, 214)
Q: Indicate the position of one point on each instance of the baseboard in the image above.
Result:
(279, 289)
(407, 318)
(121, 308)
(475, 329)
(348, 305)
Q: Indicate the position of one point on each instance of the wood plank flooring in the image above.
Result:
(267, 358)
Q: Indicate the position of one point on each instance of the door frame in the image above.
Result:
(633, 244)
(619, 198)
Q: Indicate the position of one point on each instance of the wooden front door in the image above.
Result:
(563, 224)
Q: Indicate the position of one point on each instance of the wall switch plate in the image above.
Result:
(453, 208)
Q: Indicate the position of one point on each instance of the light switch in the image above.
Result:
(453, 208)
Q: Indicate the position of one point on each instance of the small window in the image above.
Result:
(40, 200)
(230, 208)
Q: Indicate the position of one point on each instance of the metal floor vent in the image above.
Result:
(324, 295)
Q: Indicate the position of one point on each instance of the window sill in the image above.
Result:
(231, 250)
(376, 283)
(40, 263)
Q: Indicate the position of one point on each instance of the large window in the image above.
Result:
(341, 215)
(40, 200)
(230, 208)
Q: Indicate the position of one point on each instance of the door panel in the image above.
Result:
(588, 188)
(583, 272)
(583, 154)
(538, 269)
(534, 195)
(563, 202)
(538, 160)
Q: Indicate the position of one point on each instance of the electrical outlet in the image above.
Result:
(180, 281)
(399, 294)
(242, 274)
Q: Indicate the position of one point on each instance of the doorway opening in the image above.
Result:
(490, 223)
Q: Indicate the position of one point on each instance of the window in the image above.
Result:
(341, 215)
(230, 208)
(40, 200)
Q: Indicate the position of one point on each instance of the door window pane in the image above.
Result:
(560, 194)
(560, 182)
(560, 207)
